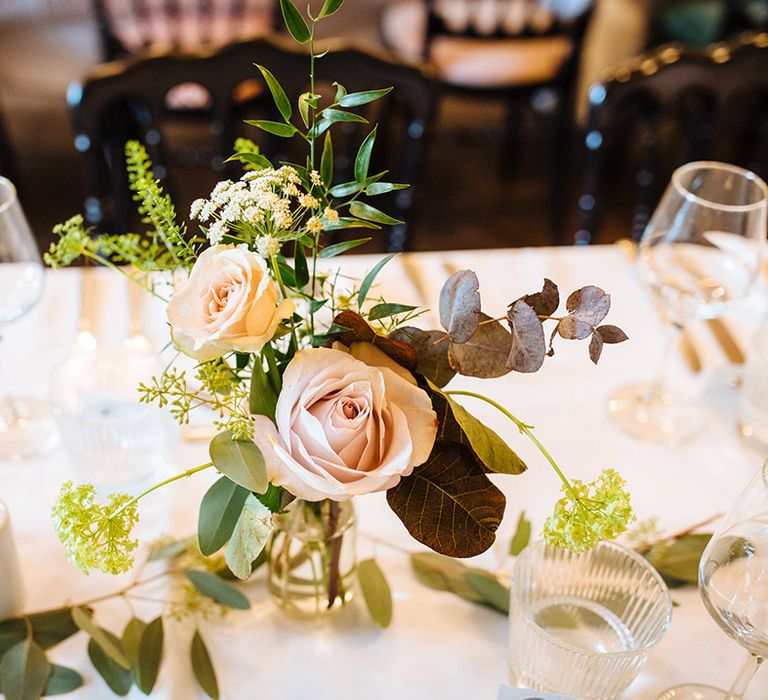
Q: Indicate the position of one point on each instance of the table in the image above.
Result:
(438, 645)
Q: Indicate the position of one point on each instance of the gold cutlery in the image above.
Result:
(686, 345)
(727, 342)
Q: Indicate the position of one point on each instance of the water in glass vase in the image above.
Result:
(312, 558)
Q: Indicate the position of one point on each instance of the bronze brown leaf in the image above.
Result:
(433, 354)
(545, 302)
(448, 503)
(359, 331)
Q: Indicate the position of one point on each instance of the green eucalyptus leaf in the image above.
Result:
(487, 586)
(217, 590)
(356, 99)
(109, 644)
(249, 538)
(48, 629)
(62, 680)
(443, 573)
(368, 280)
(295, 22)
(363, 158)
(376, 592)
(24, 671)
(131, 640)
(329, 7)
(300, 265)
(282, 102)
(150, 655)
(522, 535)
(385, 310)
(255, 159)
(170, 550)
(338, 248)
(448, 503)
(369, 213)
(326, 162)
(276, 128)
(345, 189)
(118, 679)
(377, 188)
(240, 460)
(679, 560)
(219, 511)
(203, 668)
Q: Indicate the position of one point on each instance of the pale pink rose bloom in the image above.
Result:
(348, 422)
(228, 303)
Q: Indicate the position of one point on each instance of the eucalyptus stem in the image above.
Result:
(117, 268)
(159, 485)
(313, 115)
(526, 430)
(284, 292)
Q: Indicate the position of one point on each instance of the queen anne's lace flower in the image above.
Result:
(268, 247)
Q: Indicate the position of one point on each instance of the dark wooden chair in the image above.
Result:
(8, 165)
(668, 108)
(130, 99)
(508, 50)
(131, 26)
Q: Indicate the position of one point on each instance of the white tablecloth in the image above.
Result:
(438, 645)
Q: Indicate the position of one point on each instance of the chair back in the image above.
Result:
(130, 26)
(130, 99)
(668, 108)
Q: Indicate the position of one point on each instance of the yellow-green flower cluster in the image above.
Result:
(590, 513)
(95, 535)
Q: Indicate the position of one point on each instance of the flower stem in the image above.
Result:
(155, 487)
(526, 430)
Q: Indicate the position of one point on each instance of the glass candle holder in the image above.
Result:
(583, 624)
(11, 590)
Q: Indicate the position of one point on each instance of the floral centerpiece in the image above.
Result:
(324, 393)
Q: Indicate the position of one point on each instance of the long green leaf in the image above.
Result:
(62, 680)
(376, 592)
(217, 590)
(345, 189)
(109, 644)
(350, 222)
(150, 655)
(276, 128)
(369, 213)
(263, 397)
(118, 679)
(256, 159)
(240, 460)
(377, 188)
(24, 671)
(329, 7)
(301, 269)
(282, 102)
(386, 310)
(363, 158)
(369, 278)
(338, 248)
(339, 115)
(219, 510)
(203, 668)
(356, 99)
(295, 22)
(326, 162)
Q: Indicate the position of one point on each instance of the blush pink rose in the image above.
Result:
(348, 422)
(228, 303)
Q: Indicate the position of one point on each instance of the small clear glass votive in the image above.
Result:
(582, 624)
(11, 588)
(753, 419)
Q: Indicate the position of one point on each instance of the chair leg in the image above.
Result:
(560, 171)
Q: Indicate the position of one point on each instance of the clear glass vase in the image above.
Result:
(312, 558)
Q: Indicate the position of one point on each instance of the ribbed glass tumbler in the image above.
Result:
(582, 624)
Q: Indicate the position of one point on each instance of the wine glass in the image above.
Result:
(699, 254)
(26, 425)
(733, 582)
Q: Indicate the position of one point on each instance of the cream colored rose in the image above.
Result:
(348, 422)
(228, 303)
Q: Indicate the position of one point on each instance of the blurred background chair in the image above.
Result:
(133, 99)
(510, 50)
(130, 26)
(667, 108)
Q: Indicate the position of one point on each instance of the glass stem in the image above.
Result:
(659, 382)
(746, 674)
